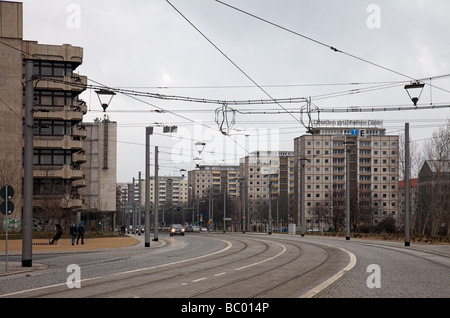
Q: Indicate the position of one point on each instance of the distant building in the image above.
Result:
(373, 176)
(213, 179)
(100, 171)
(433, 204)
(267, 177)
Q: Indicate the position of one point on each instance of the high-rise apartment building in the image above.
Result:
(57, 110)
(267, 176)
(213, 179)
(373, 175)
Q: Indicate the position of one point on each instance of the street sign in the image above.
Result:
(355, 132)
(6, 209)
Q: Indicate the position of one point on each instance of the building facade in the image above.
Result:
(373, 176)
(100, 172)
(213, 179)
(267, 177)
(58, 113)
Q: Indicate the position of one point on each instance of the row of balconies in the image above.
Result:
(75, 83)
(72, 113)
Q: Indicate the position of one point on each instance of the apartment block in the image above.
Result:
(267, 176)
(213, 179)
(172, 191)
(373, 173)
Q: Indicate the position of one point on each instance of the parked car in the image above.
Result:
(176, 229)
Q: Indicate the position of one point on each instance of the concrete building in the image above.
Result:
(173, 191)
(267, 176)
(433, 204)
(99, 170)
(173, 195)
(373, 175)
(213, 179)
(58, 113)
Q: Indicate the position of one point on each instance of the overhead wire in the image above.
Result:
(325, 44)
(228, 58)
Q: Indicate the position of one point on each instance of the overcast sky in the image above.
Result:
(147, 46)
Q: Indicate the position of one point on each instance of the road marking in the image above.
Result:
(266, 260)
(333, 278)
(229, 244)
(220, 274)
(200, 279)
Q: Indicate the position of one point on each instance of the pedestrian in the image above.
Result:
(73, 233)
(80, 232)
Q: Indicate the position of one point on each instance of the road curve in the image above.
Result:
(242, 266)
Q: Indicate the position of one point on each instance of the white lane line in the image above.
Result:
(198, 280)
(220, 274)
(267, 259)
(229, 244)
(333, 278)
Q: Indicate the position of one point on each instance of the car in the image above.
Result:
(195, 229)
(176, 229)
(188, 228)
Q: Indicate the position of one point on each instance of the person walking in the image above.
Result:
(73, 233)
(80, 232)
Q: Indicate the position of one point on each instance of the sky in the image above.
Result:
(270, 50)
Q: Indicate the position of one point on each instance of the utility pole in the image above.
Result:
(302, 196)
(224, 206)
(407, 170)
(148, 132)
(347, 191)
(27, 223)
(269, 225)
(134, 207)
(155, 237)
(139, 206)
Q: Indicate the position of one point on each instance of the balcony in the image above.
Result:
(57, 142)
(75, 83)
(59, 171)
(72, 113)
(79, 157)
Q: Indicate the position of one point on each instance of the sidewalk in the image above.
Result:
(64, 245)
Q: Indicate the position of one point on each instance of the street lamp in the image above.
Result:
(103, 95)
(414, 91)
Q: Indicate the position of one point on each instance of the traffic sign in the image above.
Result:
(6, 209)
(355, 132)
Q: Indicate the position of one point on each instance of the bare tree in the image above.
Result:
(434, 196)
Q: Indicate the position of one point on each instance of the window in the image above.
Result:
(52, 128)
(52, 157)
(53, 98)
(49, 68)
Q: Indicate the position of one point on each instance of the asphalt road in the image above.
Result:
(202, 265)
